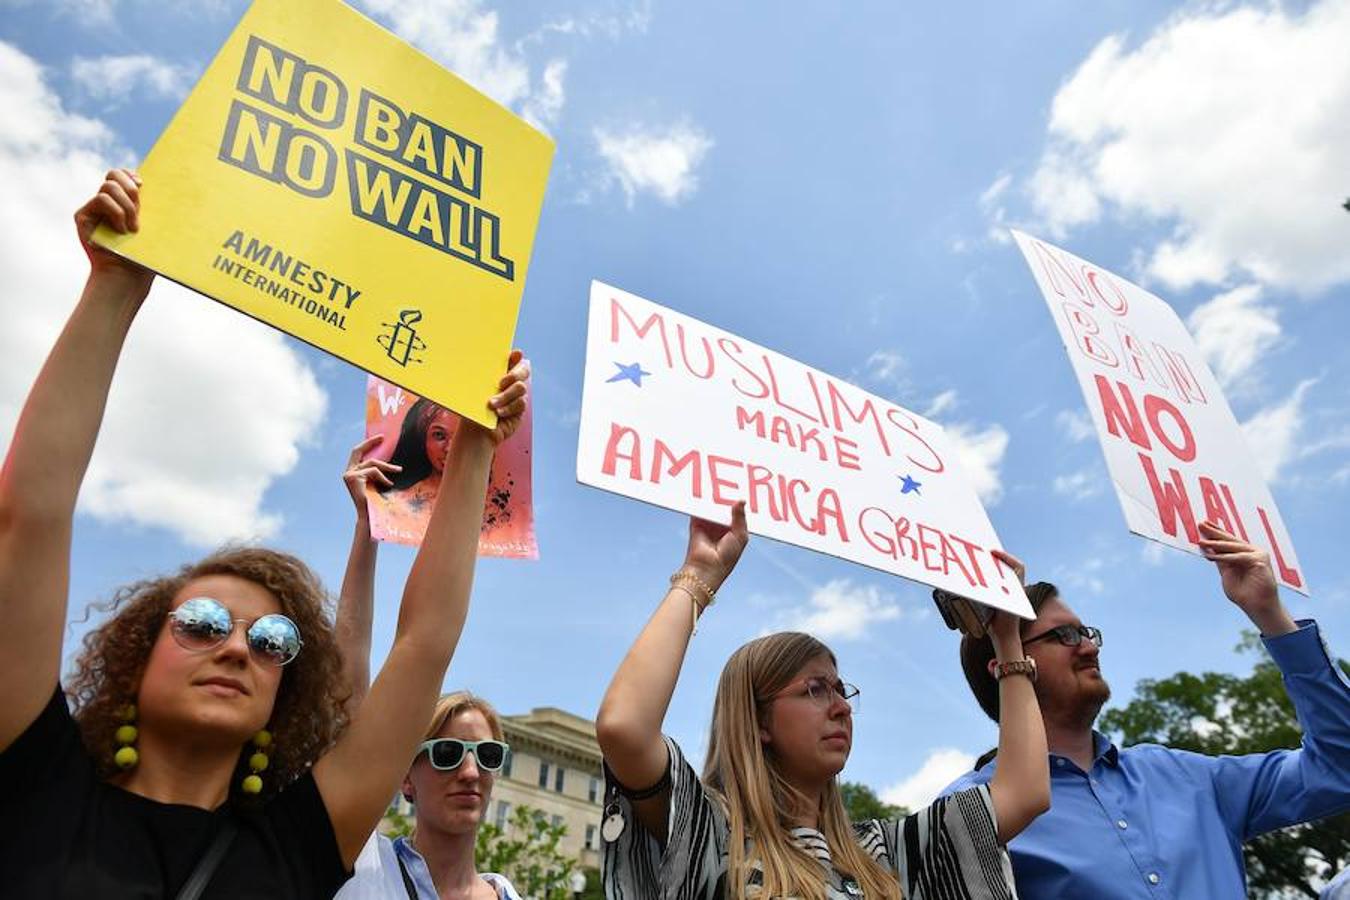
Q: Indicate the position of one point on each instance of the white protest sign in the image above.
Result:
(1175, 452)
(687, 416)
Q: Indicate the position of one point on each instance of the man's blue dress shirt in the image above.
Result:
(1150, 822)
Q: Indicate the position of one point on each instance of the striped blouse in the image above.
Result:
(948, 851)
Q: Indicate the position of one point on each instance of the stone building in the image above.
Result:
(555, 768)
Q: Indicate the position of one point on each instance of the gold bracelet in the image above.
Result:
(694, 608)
(681, 581)
(686, 578)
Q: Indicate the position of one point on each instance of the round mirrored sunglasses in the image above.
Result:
(203, 623)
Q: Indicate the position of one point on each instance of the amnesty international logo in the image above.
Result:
(401, 342)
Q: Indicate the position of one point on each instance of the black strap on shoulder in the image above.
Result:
(210, 861)
(407, 879)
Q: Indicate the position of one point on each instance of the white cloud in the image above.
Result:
(1075, 424)
(208, 408)
(1228, 124)
(114, 79)
(543, 108)
(463, 36)
(980, 452)
(1079, 485)
(1086, 575)
(939, 769)
(943, 402)
(1234, 330)
(1272, 433)
(841, 610)
(660, 161)
(885, 370)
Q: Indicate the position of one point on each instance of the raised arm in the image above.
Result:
(1020, 788)
(363, 770)
(1247, 579)
(48, 456)
(628, 725)
(1260, 792)
(356, 601)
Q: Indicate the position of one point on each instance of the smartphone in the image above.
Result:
(963, 614)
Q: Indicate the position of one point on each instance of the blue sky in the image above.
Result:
(833, 181)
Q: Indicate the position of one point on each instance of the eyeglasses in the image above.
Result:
(203, 624)
(446, 754)
(822, 692)
(1069, 635)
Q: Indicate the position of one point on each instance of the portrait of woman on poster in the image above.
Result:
(423, 442)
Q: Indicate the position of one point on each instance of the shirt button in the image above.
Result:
(1059, 763)
(1122, 824)
(1153, 878)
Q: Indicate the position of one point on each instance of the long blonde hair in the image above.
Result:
(758, 799)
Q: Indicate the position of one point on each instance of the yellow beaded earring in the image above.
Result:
(252, 783)
(126, 755)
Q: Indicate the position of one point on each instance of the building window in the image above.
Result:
(593, 793)
(543, 775)
(506, 766)
(503, 811)
(590, 837)
(558, 780)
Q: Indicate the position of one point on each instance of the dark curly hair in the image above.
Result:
(309, 712)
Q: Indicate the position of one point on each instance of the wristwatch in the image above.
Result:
(1025, 667)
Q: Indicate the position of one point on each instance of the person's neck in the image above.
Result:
(1071, 737)
(806, 814)
(450, 860)
(178, 773)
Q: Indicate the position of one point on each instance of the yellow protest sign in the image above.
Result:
(328, 179)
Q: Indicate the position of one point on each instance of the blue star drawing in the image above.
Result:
(632, 372)
(908, 484)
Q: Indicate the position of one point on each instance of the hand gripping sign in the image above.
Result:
(326, 178)
(1174, 450)
(687, 416)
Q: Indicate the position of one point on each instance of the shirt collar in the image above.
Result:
(1103, 751)
(421, 876)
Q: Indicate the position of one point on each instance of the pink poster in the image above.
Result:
(417, 435)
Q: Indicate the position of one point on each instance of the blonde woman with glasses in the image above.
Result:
(766, 820)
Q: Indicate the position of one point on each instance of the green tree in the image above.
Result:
(1216, 713)
(526, 851)
(862, 803)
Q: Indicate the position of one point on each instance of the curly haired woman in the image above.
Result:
(207, 753)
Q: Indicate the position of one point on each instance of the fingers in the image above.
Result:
(519, 370)
(360, 474)
(515, 391)
(1251, 558)
(363, 448)
(1214, 532)
(122, 187)
(1012, 562)
(102, 208)
(1232, 546)
(738, 523)
(512, 410)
